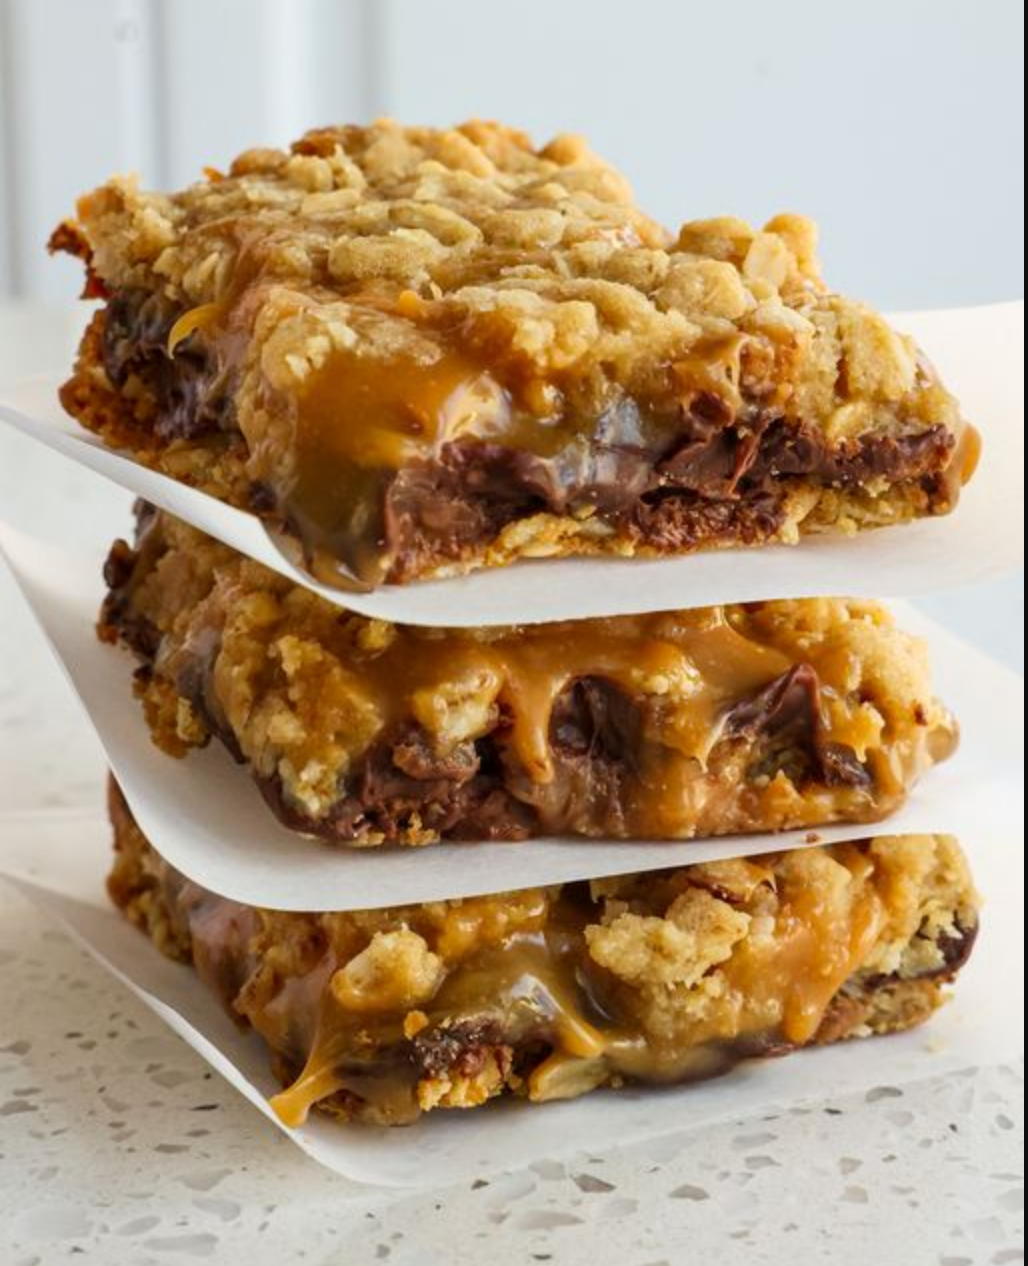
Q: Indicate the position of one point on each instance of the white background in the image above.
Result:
(896, 123)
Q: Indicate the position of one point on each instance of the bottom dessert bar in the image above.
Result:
(548, 993)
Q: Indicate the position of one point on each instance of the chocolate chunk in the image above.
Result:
(192, 392)
(592, 717)
(792, 698)
(716, 482)
(459, 1048)
(956, 947)
(714, 458)
(676, 520)
(195, 683)
(381, 798)
(118, 620)
(787, 715)
(261, 497)
(118, 565)
(840, 766)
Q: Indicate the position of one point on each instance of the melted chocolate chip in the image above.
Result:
(193, 393)
(786, 717)
(460, 1048)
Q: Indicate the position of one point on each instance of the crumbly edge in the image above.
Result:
(539, 255)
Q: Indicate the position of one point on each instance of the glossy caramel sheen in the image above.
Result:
(672, 680)
(697, 655)
(357, 421)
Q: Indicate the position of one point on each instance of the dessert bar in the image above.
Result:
(550, 993)
(419, 351)
(734, 718)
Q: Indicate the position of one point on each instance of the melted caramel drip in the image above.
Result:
(698, 654)
(816, 952)
(359, 419)
(529, 983)
(965, 459)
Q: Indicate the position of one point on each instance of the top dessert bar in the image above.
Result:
(420, 351)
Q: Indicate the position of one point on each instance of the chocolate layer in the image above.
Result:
(192, 394)
(705, 483)
(470, 794)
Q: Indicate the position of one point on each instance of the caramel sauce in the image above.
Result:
(968, 454)
(357, 420)
(529, 985)
(712, 368)
(352, 421)
(543, 990)
(698, 654)
(205, 317)
(385, 413)
(817, 952)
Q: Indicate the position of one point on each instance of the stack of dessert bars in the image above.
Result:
(417, 353)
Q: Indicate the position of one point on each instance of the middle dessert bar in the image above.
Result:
(725, 719)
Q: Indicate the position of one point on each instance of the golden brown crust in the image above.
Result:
(542, 251)
(549, 993)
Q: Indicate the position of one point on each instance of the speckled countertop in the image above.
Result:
(119, 1144)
